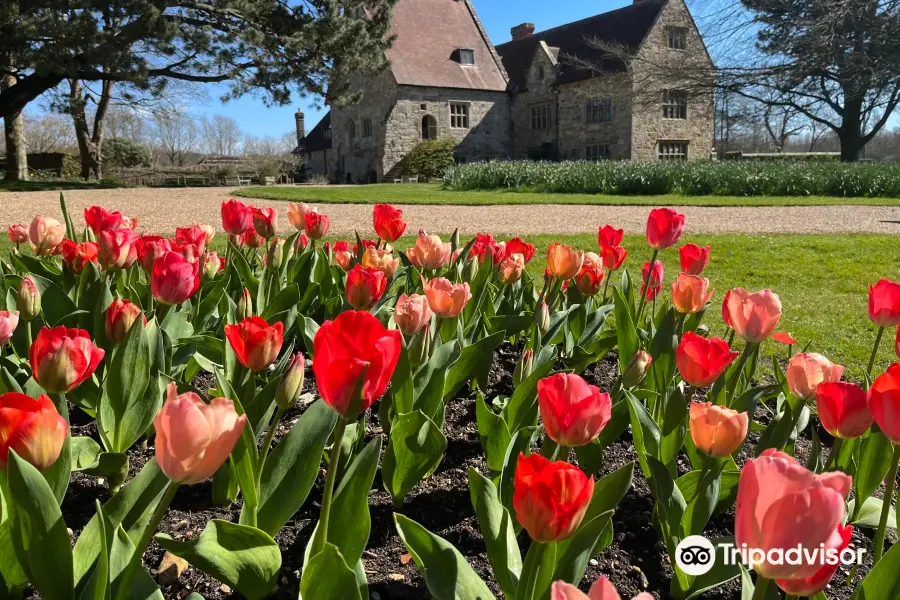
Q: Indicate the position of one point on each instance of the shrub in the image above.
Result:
(699, 178)
(124, 154)
(432, 158)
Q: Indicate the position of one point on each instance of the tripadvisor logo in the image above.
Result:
(696, 555)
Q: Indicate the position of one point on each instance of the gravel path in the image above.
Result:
(162, 209)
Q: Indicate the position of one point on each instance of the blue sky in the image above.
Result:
(497, 15)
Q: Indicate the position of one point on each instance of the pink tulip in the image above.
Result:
(782, 505)
(412, 313)
(806, 370)
(8, 323)
(752, 316)
(601, 590)
(193, 438)
(45, 234)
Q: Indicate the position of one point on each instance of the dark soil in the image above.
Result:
(636, 560)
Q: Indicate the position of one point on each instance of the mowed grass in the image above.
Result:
(822, 281)
(433, 193)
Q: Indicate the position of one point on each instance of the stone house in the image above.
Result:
(552, 95)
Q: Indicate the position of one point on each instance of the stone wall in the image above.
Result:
(576, 134)
(528, 142)
(320, 163)
(649, 127)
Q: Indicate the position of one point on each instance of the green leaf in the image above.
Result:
(646, 432)
(521, 410)
(327, 577)
(245, 558)
(870, 514)
(38, 531)
(12, 575)
(428, 382)
(70, 229)
(97, 586)
(625, 330)
(245, 453)
(874, 462)
(537, 571)
(283, 301)
(292, 467)
(520, 444)
(498, 532)
(703, 502)
(85, 453)
(242, 268)
(123, 416)
(574, 553)
(883, 580)
(447, 573)
(493, 434)
(719, 574)
(415, 449)
(473, 363)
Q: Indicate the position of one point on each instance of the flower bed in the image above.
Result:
(697, 178)
(350, 421)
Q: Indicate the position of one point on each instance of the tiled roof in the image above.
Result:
(429, 36)
(627, 26)
(316, 139)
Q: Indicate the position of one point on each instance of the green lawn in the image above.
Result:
(432, 193)
(821, 279)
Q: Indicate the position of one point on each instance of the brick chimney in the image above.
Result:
(301, 127)
(522, 31)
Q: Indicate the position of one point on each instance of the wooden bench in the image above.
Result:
(245, 180)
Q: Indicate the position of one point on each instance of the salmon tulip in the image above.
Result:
(174, 279)
(884, 303)
(753, 316)
(702, 361)
(354, 354)
(520, 246)
(316, 225)
(511, 269)
(806, 370)
(884, 402)
(45, 234)
(265, 220)
(446, 299)
(590, 279)
(563, 262)
(120, 316)
(609, 236)
(601, 590)
(613, 257)
(297, 214)
(412, 313)
(550, 498)
(236, 217)
(782, 506)
(693, 258)
(117, 248)
(381, 260)
(689, 293)
(651, 279)
(32, 427)
(194, 439)
(99, 219)
(429, 252)
(8, 323)
(573, 412)
(812, 585)
(842, 409)
(364, 287)
(255, 343)
(717, 431)
(62, 359)
(77, 256)
(388, 222)
(17, 233)
(664, 228)
(340, 254)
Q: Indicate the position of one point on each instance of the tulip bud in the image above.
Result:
(244, 306)
(454, 240)
(542, 318)
(471, 271)
(120, 316)
(329, 254)
(210, 263)
(275, 253)
(637, 368)
(523, 367)
(292, 384)
(29, 301)
(420, 346)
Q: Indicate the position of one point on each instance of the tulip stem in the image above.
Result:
(835, 452)
(149, 531)
(889, 485)
(528, 593)
(762, 584)
(322, 535)
(28, 337)
(267, 443)
(874, 352)
(749, 348)
(606, 287)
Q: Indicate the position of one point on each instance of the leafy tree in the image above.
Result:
(125, 154)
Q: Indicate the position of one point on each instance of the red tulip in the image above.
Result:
(366, 244)
(255, 343)
(117, 249)
(61, 359)
(236, 217)
(550, 498)
(32, 427)
(265, 220)
(8, 323)
(689, 293)
(120, 316)
(609, 236)
(897, 344)
(364, 287)
(806, 370)
(251, 238)
(354, 354)
(45, 234)
(782, 506)
(194, 439)
(316, 225)
(884, 303)
(812, 585)
(77, 256)
(446, 299)
(653, 286)
(843, 409)
(388, 222)
(520, 246)
(590, 279)
(174, 279)
(701, 361)
(664, 228)
(196, 234)
(717, 431)
(485, 247)
(151, 247)
(884, 402)
(693, 258)
(574, 412)
(99, 219)
(563, 262)
(752, 316)
(613, 257)
(17, 233)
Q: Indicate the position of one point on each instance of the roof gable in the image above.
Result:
(317, 139)
(626, 26)
(429, 34)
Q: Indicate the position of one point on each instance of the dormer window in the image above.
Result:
(466, 56)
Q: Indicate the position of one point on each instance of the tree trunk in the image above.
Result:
(850, 133)
(90, 140)
(14, 134)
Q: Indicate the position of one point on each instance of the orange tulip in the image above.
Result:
(563, 262)
(752, 316)
(717, 431)
(381, 260)
(689, 293)
(32, 427)
(446, 299)
(297, 214)
(17, 233)
(590, 279)
(806, 370)
(194, 439)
